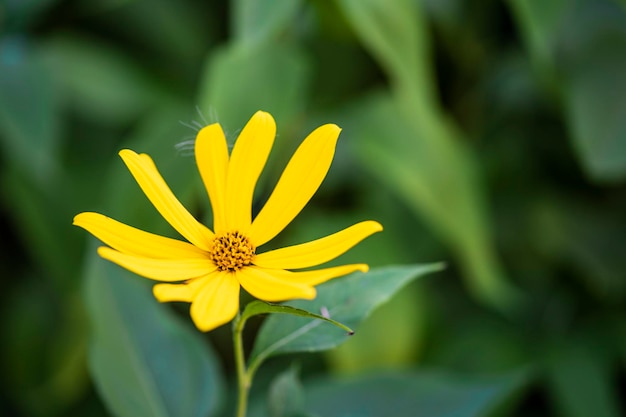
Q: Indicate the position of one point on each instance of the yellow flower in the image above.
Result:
(214, 264)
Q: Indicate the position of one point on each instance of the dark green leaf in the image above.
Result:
(42, 230)
(348, 300)
(580, 380)
(586, 67)
(144, 361)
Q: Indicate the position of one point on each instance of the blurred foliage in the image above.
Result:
(490, 135)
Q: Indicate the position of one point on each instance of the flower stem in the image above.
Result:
(243, 379)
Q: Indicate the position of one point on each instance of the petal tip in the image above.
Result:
(158, 292)
(208, 130)
(310, 294)
(104, 251)
(205, 325)
(126, 153)
(76, 221)
(263, 117)
(377, 227)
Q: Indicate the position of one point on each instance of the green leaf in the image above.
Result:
(143, 360)
(286, 398)
(404, 321)
(255, 21)
(102, 83)
(411, 394)
(410, 144)
(585, 67)
(539, 23)
(42, 230)
(395, 33)
(348, 300)
(18, 16)
(239, 81)
(416, 163)
(580, 379)
(29, 110)
(594, 90)
(259, 307)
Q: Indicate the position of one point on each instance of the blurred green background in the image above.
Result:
(487, 134)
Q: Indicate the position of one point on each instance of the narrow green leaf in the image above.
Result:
(395, 33)
(539, 23)
(413, 394)
(143, 360)
(259, 307)
(348, 300)
(255, 21)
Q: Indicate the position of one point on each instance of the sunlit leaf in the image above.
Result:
(255, 21)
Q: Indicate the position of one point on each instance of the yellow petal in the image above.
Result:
(154, 187)
(130, 240)
(302, 177)
(246, 163)
(185, 291)
(212, 159)
(318, 251)
(262, 284)
(159, 269)
(216, 302)
(320, 275)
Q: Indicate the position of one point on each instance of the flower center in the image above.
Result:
(231, 251)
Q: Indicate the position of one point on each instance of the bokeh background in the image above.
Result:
(487, 134)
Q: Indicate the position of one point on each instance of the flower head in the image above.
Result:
(209, 269)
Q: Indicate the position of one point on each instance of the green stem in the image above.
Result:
(243, 379)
